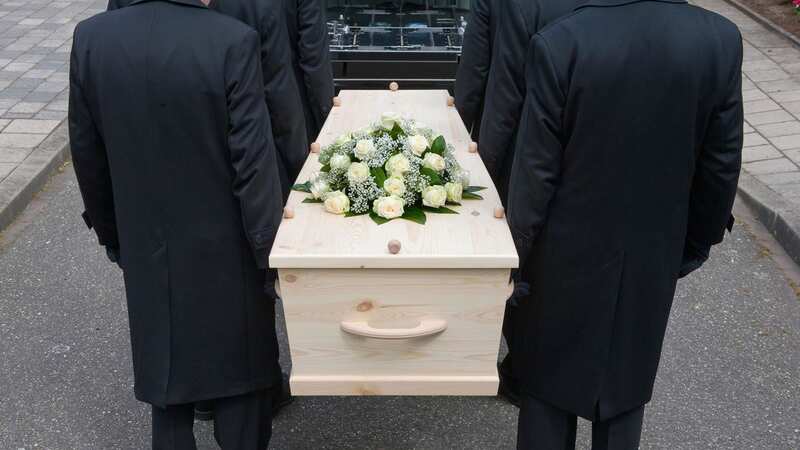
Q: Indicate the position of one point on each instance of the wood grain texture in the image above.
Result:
(472, 239)
(460, 360)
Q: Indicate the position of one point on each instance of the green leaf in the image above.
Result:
(438, 146)
(432, 175)
(325, 168)
(377, 219)
(353, 214)
(453, 203)
(312, 200)
(475, 188)
(440, 210)
(379, 174)
(415, 214)
(396, 131)
(471, 196)
(302, 187)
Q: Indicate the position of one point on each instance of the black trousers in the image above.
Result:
(545, 427)
(243, 422)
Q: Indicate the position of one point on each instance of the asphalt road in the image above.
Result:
(729, 378)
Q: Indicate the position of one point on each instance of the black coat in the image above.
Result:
(517, 22)
(473, 69)
(630, 146)
(280, 87)
(306, 22)
(173, 151)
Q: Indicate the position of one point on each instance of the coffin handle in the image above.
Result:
(426, 327)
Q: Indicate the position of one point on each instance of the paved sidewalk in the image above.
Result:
(35, 41)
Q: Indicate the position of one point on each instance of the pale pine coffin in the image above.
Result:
(424, 321)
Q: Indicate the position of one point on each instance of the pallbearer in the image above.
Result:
(625, 174)
(473, 68)
(516, 21)
(308, 35)
(174, 155)
(281, 90)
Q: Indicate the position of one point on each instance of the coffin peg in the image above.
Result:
(499, 212)
(473, 147)
(451, 101)
(337, 101)
(393, 86)
(315, 147)
(288, 213)
(394, 246)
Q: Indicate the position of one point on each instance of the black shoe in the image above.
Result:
(509, 390)
(282, 396)
(204, 411)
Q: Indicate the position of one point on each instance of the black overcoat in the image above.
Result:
(473, 68)
(517, 22)
(306, 22)
(281, 90)
(630, 145)
(173, 151)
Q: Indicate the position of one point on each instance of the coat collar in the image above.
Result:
(608, 3)
(196, 3)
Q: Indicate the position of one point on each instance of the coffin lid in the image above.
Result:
(474, 238)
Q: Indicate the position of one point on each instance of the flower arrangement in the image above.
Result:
(392, 169)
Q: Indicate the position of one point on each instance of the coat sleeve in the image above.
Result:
(537, 162)
(315, 58)
(717, 168)
(282, 95)
(505, 91)
(256, 183)
(90, 160)
(473, 69)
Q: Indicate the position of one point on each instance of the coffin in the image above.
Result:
(425, 321)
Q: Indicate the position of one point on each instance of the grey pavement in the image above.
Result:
(35, 41)
(728, 378)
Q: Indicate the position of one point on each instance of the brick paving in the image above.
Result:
(35, 41)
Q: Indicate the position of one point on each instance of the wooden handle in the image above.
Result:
(426, 327)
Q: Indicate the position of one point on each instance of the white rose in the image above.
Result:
(344, 139)
(397, 165)
(365, 149)
(340, 161)
(337, 202)
(319, 188)
(388, 119)
(434, 196)
(434, 162)
(358, 172)
(395, 186)
(390, 207)
(418, 144)
(454, 192)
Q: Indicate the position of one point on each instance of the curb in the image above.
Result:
(32, 174)
(776, 214)
(774, 27)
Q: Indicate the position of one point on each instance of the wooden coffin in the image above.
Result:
(424, 321)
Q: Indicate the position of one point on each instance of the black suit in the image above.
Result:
(630, 146)
(473, 69)
(173, 151)
(281, 90)
(308, 36)
(517, 22)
